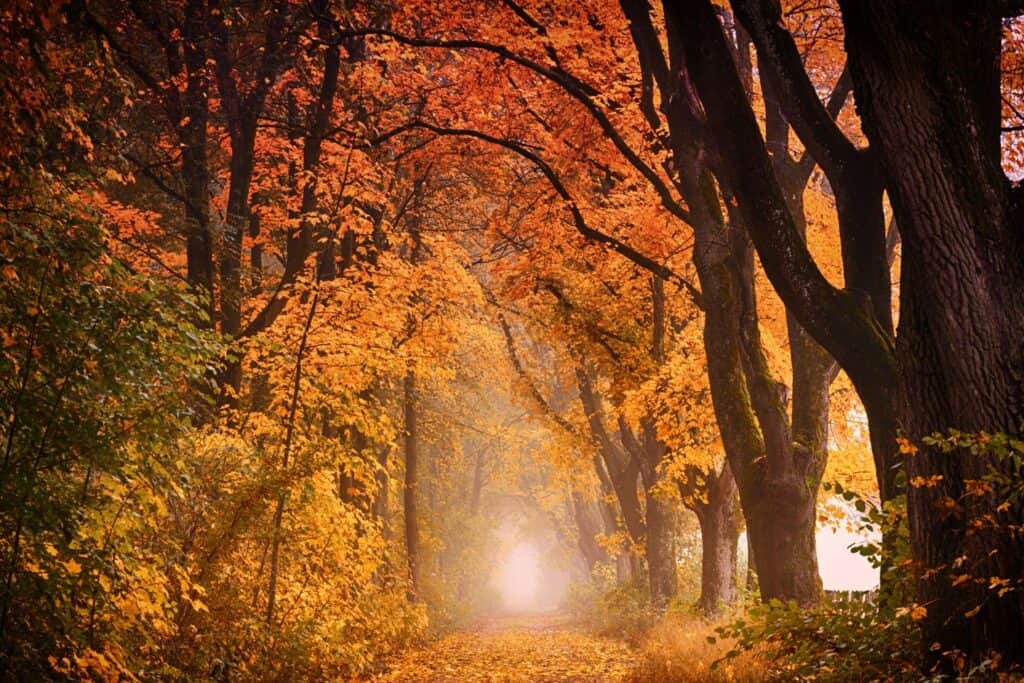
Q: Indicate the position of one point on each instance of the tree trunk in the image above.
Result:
(191, 116)
(930, 102)
(660, 541)
(412, 532)
(610, 520)
(623, 470)
(588, 526)
(749, 405)
(661, 518)
(781, 526)
(719, 534)
(660, 546)
(241, 113)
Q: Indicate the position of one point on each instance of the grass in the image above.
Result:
(676, 650)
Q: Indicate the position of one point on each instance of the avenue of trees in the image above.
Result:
(303, 299)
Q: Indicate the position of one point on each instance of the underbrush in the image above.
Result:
(673, 648)
(611, 608)
(838, 642)
(676, 650)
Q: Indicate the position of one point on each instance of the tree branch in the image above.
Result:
(837, 320)
(798, 98)
(577, 89)
(535, 394)
(658, 269)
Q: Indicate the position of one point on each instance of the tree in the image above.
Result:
(962, 158)
(930, 100)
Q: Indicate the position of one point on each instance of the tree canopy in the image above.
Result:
(315, 311)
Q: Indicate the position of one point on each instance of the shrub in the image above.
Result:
(677, 650)
(610, 607)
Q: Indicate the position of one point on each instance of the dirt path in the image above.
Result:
(536, 648)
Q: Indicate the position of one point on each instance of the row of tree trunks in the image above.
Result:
(930, 103)
(616, 474)
(623, 470)
(750, 406)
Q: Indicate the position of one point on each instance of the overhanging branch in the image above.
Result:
(579, 90)
(660, 270)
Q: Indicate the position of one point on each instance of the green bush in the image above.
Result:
(844, 640)
(879, 641)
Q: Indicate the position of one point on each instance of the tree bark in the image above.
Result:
(844, 322)
(857, 183)
(930, 103)
(189, 114)
(660, 547)
(719, 519)
(661, 518)
(412, 531)
(749, 404)
(623, 470)
(241, 112)
(781, 511)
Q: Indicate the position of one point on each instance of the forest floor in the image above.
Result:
(535, 648)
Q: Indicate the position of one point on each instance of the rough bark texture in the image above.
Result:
(719, 518)
(857, 183)
(660, 547)
(850, 323)
(750, 407)
(854, 325)
(930, 102)
(782, 509)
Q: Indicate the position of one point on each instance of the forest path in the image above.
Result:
(535, 648)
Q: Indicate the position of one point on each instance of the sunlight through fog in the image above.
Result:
(520, 577)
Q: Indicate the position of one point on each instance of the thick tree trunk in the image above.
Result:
(749, 405)
(190, 113)
(857, 182)
(930, 102)
(781, 514)
(781, 526)
(777, 478)
(660, 548)
(719, 534)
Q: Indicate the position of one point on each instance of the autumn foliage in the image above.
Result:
(313, 310)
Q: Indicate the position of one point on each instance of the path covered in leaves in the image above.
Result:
(531, 648)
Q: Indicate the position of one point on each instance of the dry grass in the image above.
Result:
(677, 651)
